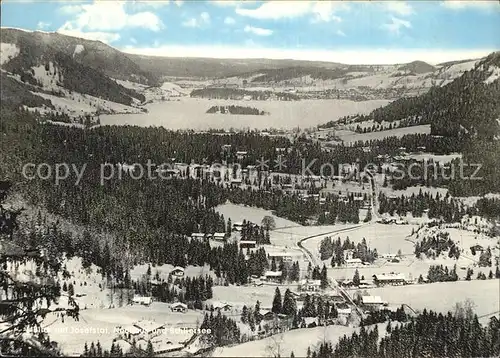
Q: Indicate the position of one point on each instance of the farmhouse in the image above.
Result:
(248, 244)
(374, 302)
(272, 276)
(238, 226)
(310, 285)
(179, 307)
(162, 347)
(219, 236)
(177, 271)
(285, 255)
(389, 279)
(222, 306)
(266, 315)
(241, 155)
(128, 331)
(150, 328)
(353, 262)
(140, 300)
(197, 235)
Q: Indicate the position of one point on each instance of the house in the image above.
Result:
(140, 300)
(272, 276)
(343, 309)
(310, 322)
(285, 255)
(177, 271)
(310, 285)
(150, 328)
(238, 226)
(266, 315)
(389, 279)
(128, 331)
(241, 155)
(179, 307)
(236, 181)
(222, 306)
(219, 236)
(166, 346)
(248, 244)
(353, 262)
(197, 235)
(374, 302)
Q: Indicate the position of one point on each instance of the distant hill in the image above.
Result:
(214, 67)
(93, 54)
(470, 104)
(45, 63)
(417, 67)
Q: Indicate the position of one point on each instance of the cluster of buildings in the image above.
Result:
(144, 331)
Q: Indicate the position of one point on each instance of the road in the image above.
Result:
(333, 284)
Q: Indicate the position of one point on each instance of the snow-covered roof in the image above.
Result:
(372, 300)
(273, 274)
(219, 234)
(140, 299)
(148, 326)
(178, 268)
(248, 242)
(311, 282)
(218, 305)
(390, 277)
(284, 254)
(352, 261)
(132, 329)
(345, 311)
(179, 304)
(197, 234)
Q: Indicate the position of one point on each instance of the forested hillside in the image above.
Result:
(468, 105)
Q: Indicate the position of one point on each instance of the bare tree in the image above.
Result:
(274, 347)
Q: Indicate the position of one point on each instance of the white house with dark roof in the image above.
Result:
(178, 307)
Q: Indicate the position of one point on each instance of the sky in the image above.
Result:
(338, 31)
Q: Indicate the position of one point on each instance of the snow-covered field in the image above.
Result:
(353, 137)
(442, 296)
(190, 113)
(297, 340)
(8, 52)
(238, 213)
(99, 324)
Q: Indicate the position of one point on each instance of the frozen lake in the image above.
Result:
(189, 113)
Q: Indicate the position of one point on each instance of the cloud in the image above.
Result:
(148, 4)
(109, 16)
(401, 8)
(229, 21)
(274, 10)
(230, 3)
(203, 19)
(258, 31)
(464, 4)
(354, 56)
(102, 20)
(179, 3)
(340, 33)
(42, 25)
(396, 24)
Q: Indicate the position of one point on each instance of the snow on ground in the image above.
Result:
(238, 296)
(442, 296)
(297, 340)
(100, 324)
(78, 49)
(48, 79)
(76, 104)
(495, 74)
(413, 190)
(443, 159)
(238, 213)
(8, 52)
(131, 85)
(352, 137)
(190, 113)
(164, 270)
